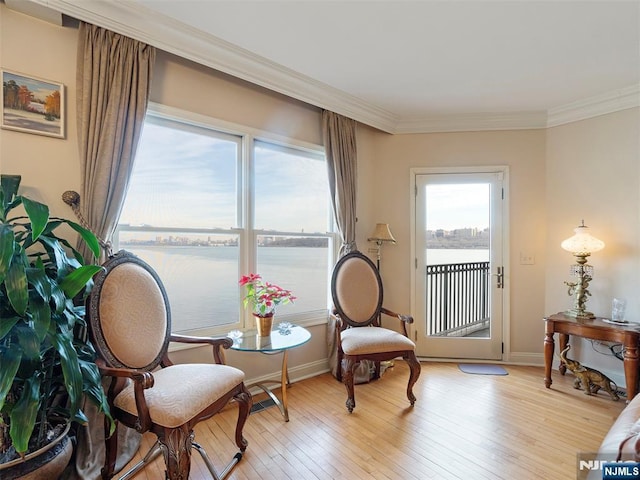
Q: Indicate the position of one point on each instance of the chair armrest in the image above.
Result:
(216, 342)
(141, 381)
(340, 324)
(404, 319)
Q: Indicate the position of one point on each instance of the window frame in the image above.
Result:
(247, 235)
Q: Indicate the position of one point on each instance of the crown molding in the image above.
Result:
(473, 122)
(167, 34)
(608, 102)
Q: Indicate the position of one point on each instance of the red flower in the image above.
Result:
(263, 296)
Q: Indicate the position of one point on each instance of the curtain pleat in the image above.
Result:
(339, 134)
(340, 149)
(113, 81)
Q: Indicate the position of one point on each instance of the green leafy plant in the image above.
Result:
(263, 296)
(46, 367)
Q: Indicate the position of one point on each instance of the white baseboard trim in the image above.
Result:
(518, 358)
(524, 358)
(296, 373)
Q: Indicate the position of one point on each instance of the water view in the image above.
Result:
(202, 282)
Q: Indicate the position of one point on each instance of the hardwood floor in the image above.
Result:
(467, 427)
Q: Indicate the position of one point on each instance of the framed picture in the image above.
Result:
(32, 105)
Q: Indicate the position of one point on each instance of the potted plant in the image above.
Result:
(46, 367)
(264, 297)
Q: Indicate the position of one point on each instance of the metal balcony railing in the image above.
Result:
(457, 298)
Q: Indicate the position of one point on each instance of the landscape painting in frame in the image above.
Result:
(32, 105)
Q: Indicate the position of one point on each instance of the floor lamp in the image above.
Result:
(381, 235)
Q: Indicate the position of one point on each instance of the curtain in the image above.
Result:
(339, 134)
(113, 80)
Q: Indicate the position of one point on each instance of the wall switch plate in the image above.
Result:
(527, 258)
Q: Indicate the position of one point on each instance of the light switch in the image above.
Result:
(527, 258)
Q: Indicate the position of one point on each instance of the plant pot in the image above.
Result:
(46, 463)
(264, 324)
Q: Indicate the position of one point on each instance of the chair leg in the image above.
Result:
(245, 402)
(111, 451)
(339, 358)
(176, 443)
(347, 379)
(415, 367)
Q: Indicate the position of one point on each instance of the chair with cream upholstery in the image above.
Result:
(130, 324)
(356, 288)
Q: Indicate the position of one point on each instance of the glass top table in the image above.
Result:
(281, 340)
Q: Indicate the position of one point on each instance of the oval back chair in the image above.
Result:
(356, 288)
(129, 321)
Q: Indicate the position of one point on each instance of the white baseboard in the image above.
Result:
(296, 374)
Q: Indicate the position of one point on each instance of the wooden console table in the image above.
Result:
(595, 329)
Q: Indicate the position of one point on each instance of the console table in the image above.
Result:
(596, 329)
(280, 341)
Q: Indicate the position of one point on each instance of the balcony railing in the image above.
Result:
(457, 298)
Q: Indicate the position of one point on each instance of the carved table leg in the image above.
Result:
(548, 355)
(631, 367)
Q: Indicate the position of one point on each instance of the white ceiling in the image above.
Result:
(406, 66)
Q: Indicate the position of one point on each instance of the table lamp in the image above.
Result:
(581, 245)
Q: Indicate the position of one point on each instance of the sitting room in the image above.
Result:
(477, 160)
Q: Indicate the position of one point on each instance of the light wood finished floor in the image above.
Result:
(467, 427)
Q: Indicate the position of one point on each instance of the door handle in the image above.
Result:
(500, 277)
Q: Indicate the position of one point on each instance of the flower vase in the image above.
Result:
(264, 324)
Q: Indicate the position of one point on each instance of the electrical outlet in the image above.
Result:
(527, 258)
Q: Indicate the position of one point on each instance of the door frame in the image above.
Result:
(506, 304)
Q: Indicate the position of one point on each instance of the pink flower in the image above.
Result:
(264, 297)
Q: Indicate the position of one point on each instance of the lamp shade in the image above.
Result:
(382, 234)
(582, 243)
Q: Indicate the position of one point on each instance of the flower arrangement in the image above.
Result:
(263, 296)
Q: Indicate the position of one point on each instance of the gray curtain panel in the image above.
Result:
(113, 81)
(339, 134)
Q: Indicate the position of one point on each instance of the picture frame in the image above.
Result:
(32, 105)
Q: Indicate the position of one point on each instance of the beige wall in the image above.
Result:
(48, 166)
(558, 176)
(524, 153)
(593, 173)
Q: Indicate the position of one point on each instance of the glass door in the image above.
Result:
(459, 270)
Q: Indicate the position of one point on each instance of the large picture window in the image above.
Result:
(205, 206)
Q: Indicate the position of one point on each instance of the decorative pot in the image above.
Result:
(264, 324)
(44, 464)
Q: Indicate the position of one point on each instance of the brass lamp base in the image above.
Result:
(579, 314)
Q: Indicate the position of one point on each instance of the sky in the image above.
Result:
(452, 206)
(188, 179)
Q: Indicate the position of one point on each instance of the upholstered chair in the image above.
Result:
(356, 288)
(129, 322)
